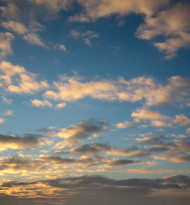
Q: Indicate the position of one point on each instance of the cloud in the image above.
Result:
(86, 36)
(172, 23)
(134, 90)
(182, 120)
(53, 6)
(98, 148)
(156, 119)
(83, 161)
(5, 44)
(159, 120)
(17, 142)
(163, 18)
(125, 124)
(2, 120)
(60, 105)
(61, 47)
(8, 113)
(146, 115)
(92, 189)
(82, 130)
(188, 130)
(15, 26)
(120, 162)
(6, 100)
(16, 79)
(93, 9)
(33, 38)
(39, 103)
(150, 171)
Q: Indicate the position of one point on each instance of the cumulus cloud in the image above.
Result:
(159, 120)
(33, 38)
(92, 189)
(2, 120)
(94, 9)
(17, 142)
(173, 23)
(8, 113)
(16, 79)
(125, 124)
(82, 130)
(182, 120)
(134, 90)
(5, 44)
(15, 26)
(40, 103)
(120, 162)
(162, 18)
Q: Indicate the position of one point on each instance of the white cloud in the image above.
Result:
(125, 124)
(15, 26)
(8, 113)
(188, 130)
(86, 36)
(1, 120)
(173, 23)
(5, 44)
(60, 105)
(94, 9)
(40, 103)
(61, 47)
(136, 89)
(146, 115)
(182, 120)
(33, 38)
(16, 79)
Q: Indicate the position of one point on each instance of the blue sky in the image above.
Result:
(94, 102)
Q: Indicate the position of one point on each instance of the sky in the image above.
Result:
(94, 102)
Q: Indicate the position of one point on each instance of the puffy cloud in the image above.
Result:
(60, 105)
(125, 124)
(61, 47)
(15, 26)
(161, 19)
(150, 171)
(17, 142)
(120, 162)
(53, 6)
(92, 189)
(1, 120)
(181, 120)
(8, 113)
(15, 79)
(136, 89)
(6, 100)
(94, 9)
(83, 161)
(188, 130)
(39, 103)
(82, 130)
(158, 123)
(5, 44)
(173, 23)
(33, 38)
(159, 120)
(146, 115)
(98, 148)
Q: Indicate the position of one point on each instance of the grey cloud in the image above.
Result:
(97, 189)
(17, 142)
(121, 162)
